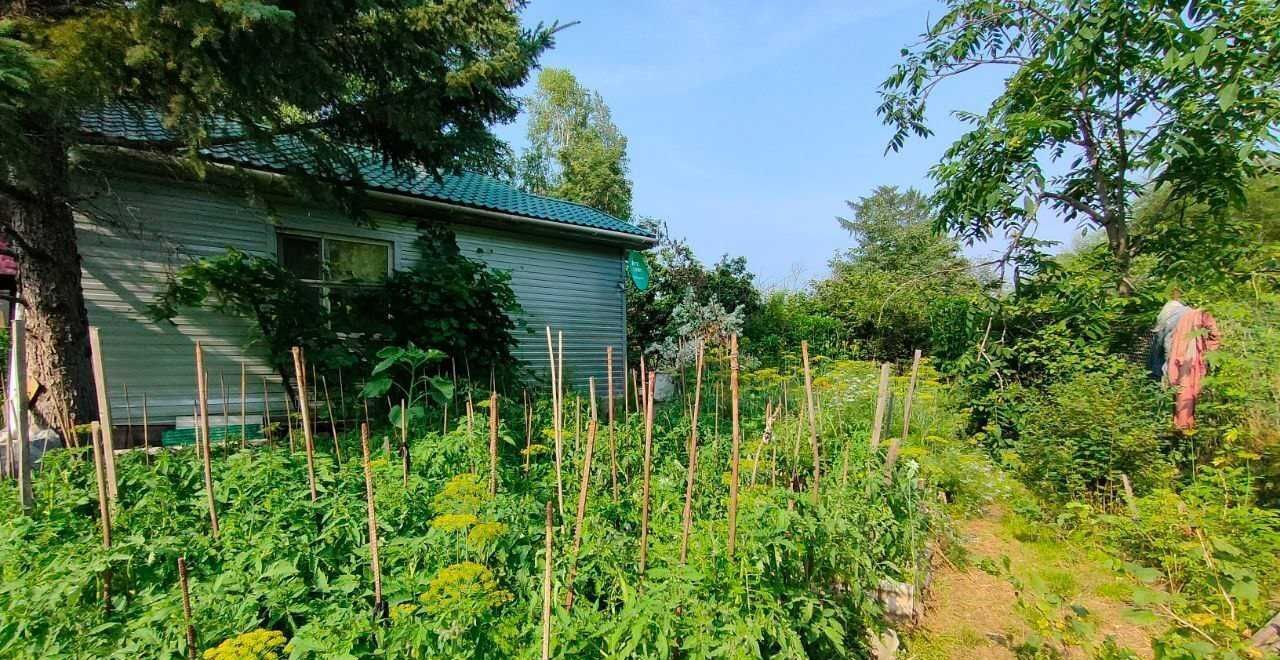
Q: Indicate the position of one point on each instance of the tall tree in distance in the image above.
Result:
(881, 289)
(418, 82)
(1102, 97)
(575, 151)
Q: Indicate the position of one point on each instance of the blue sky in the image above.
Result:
(749, 123)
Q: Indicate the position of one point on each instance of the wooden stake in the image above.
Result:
(769, 413)
(736, 441)
(648, 464)
(244, 427)
(692, 475)
(882, 398)
(266, 412)
(104, 408)
(644, 380)
(146, 431)
(404, 441)
(202, 389)
(493, 443)
(635, 390)
(374, 565)
(813, 421)
(333, 423)
(18, 437)
(613, 447)
(226, 418)
(128, 411)
(300, 371)
(192, 651)
(342, 396)
(104, 506)
(547, 586)
(911, 393)
(583, 490)
(556, 424)
(528, 431)
(288, 421)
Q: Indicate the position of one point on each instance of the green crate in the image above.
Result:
(185, 437)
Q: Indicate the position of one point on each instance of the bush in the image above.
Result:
(1082, 433)
(446, 301)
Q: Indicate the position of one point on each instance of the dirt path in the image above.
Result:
(971, 613)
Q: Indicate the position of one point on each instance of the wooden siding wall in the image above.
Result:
(138, 231)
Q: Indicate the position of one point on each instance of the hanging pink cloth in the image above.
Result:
(1195, 335)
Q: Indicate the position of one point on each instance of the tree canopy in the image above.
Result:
(1103, 97)
(575, 150)
(881, 288)
(413, 82)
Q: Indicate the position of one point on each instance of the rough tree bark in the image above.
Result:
(41, 227)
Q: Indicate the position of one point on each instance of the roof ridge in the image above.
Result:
(131, 122)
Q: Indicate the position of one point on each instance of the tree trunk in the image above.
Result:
(43, 229)
(1118, 240)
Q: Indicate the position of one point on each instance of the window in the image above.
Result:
(334, 268)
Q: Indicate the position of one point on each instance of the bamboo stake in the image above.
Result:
(342, 396)
(648, 464)
(577, 424)
(769, 413)
(911, 393)
(202, 389)
(687, 518)
(288, 421)
(813, 421)
(528, 431)
(244, 433)
(470, 418)
(644, 379)
(736, 440)
(104, 506)
(613, 447)
(18, 358)
(146, 431)
(300, 371)
(555, 421)
(583, 490)
(266, 412)
(128, 411)
(192, 652)
(635, 390)
(882, 398)
(404, 442)
(333, 423)
(493, 443)
(374, 565)
(226, 418)
(104, 408)
(547, 587)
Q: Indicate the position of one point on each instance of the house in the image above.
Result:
(143, 219)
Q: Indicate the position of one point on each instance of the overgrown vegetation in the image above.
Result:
(461, 567)
(444, 300)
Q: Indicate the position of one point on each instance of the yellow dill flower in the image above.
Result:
(450, 522)
(485, 533)
(260, 644)
(463, 592)
(464, 493)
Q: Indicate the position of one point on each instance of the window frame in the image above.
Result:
(326, 285)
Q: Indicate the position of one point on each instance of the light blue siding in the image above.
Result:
(139, 230)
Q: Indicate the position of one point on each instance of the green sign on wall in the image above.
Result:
(638, 269)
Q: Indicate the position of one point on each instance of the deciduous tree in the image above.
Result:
(1102, 97)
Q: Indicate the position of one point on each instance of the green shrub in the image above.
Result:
(1082, 433)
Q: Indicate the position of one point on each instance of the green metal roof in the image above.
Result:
(465, 189)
